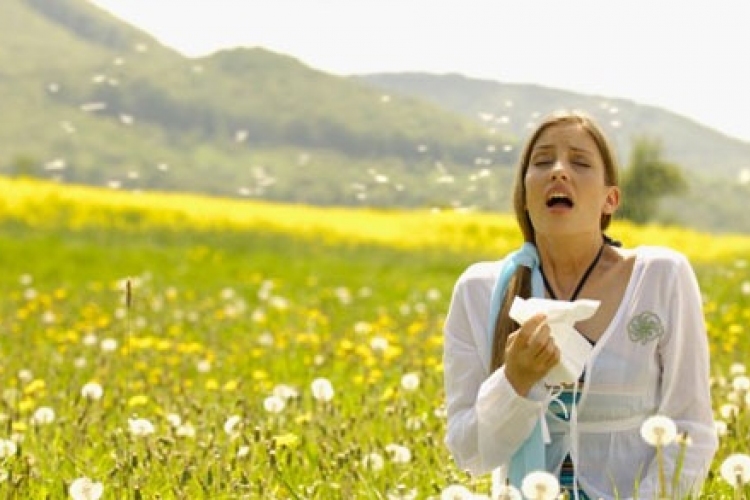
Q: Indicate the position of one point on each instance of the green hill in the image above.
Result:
(90, 99)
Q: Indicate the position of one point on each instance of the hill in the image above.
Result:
(90, 99)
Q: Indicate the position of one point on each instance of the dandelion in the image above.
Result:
(185, 430)
(140, 427)
(741, 383)
(659, 431)
(737, 369)
(203, 366)
(322, 389)
(410, 382)
(456, 492)
(174, 419)
(92, 391)
(232, 424)
(108, 345)
(44, 415)
(399, 454)
(285, 392)
(274, 404)
(540, 485)
(507, 492)
(728, 411)
(243, 451)
(373, 461)
(735, 469)
(84, 488)
(721, 428)
(8, 448)
(379, 344)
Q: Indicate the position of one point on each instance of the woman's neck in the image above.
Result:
(565, 260)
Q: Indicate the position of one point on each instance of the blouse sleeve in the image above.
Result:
(686, 394)
(487, 419)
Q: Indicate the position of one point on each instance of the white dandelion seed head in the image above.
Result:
(741, 383)
(92, 391)
(540, 485)
(322, 389)
(737, 369)
(43, 415)
(232, 424)
(373, 461)
(203, 366)
(285, 392)
(398, 454)
(174, 419)
(25, 375)
(108, 345)
(140, 427)
(507, 492)
(728, 411)
(410, 381)
(243, 451)
(721, 428)
(658, 430)
(456, 492)
(379, 344)
(89, 339)
(274, 404)
(402, 492)
(735, 469)
(185, 430)
(8, 448)
(84, 488)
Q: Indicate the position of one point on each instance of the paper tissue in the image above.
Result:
(561, 316)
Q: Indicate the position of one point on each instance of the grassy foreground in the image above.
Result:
(264, 351)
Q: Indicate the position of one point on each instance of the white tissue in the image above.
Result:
(561, 316)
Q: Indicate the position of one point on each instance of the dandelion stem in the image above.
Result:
(662, 475)
(680, 461)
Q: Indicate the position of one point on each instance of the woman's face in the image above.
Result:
(566, 191)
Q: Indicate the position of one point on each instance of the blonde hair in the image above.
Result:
(520, 282)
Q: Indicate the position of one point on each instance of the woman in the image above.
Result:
(649, 346)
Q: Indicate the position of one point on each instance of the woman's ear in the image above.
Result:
(612, 201)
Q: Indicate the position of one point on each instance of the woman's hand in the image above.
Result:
(529, 354)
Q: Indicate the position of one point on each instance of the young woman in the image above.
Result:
(649, 346)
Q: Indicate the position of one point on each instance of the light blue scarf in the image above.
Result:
(530, 456)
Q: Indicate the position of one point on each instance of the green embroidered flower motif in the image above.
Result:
(645, 327)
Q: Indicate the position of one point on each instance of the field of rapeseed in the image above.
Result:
(168, 346)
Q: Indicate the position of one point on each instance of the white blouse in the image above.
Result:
(652, 359)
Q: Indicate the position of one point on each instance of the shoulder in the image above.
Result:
(661, 256)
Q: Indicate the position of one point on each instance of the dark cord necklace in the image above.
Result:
(580, 283)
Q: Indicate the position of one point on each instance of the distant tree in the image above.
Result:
(647, 179)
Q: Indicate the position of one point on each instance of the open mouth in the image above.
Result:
(559, 200)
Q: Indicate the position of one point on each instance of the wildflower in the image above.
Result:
(274, 404)
(43, 415)
(231, 424)
(322, 389)
(507, 492)
(108, 345)
(174, 419)
(285, 392)
(729, 411)
(379, 344)
(243, 451)
(735, 469)
(737, 369)
(203, 366)
(92, 391)
(185, 430)
(721, 427)
(140, 427)
(8, 448)
(84, 488)
(658, 430)
(741, 383)
(25, 375)
(373, 461)
(456, 492)
(540, 485)
(398, 454)
(410, 382)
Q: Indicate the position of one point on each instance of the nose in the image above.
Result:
(559, 169)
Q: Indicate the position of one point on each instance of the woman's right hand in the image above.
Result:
(530, 354)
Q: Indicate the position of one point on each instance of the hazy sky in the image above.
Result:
(688, 56)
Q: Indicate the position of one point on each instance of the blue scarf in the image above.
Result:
(530, 456)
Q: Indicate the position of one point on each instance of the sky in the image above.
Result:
(687, 56)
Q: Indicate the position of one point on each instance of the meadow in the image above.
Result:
(174, 346)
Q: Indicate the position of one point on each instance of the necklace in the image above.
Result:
(580, 283)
